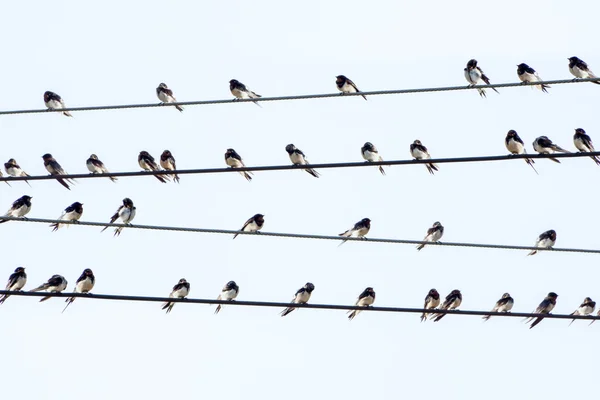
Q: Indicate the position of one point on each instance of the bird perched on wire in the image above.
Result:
(16, 281)
(515, 145)
(360, 229)
(474, 75)
(13, 169)
(527, 74)
(229, 293)
(167, 162)
(366, 298)
(301, 297)
(432, 300)
(165, 95)
(54, 168)
(434, 234)
(19, 209)
(370, 154)
(54, 102)
(72, 213)
(583, 143)
(345, 85)
(239, 91)
(586, 308)
(180, 291)
(146, 161)
(95, 166)
(297, 157)
(253, 225)
(56, 284)
(579, 69)
(546, 240)
(505, 304)
(126, 212)
(234, 160)
(452, 302)
(545, 307)
(85, 283)
(419, 152)
(543, 145)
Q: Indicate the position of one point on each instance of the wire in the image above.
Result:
(302, 97)
(313, 166)
(302, 236)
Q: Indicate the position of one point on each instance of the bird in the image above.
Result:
(180, 291)
(515, 145)
(146, 161)
(505, 304)
(55, 102)
(545, 241)
(126, 212)
(586, 308)
(56, 284)
(432, 300)
(474, 75)
(54, 168)
(95, 166)
(297, 157)
(360, 229)
(253, 225)
(366, 298)
(165, 95)
(16, 281)
(230, 292)
(453, 301)
(167, 162)
(543, 145)
(13, 169)
(234, 160)
(345, 85)
(239, 91)
(583, 143)
(580, 70)
(19, 209)
(419, 152)
(71, 213)
(301, 297)
(545, 307)
(84, 284)
(370, 154)
(434, 234)
(528, 74)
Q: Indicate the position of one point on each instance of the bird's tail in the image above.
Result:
(486, 317)
(246, 174)
(68, 114)
(55, 226)
(62, 182)
(364, 97)
(494, 89)
(554, 159)
(161, 178)
(45, 298)
(481, 92)
(4, 297)
(431, 168)
(381, 170)
(68, 301)
(7, 183)
(112, 178)
(168, 306)
(353, 314)
(236, 235)
(437, 317)
(532, 253)
(543, 87)
(176, 178)
(343, 241)
(118, 231)
(287, 311)
(537, 321)
(179, 108)
(424, 317)
(312, 172)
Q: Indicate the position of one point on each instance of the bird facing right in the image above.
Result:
(301, 297)
(583, 143)
(365, 299)
(546, 240)
(180, 291)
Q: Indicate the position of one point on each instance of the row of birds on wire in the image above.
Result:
(85, 283)
(514, 144)
(472, 72)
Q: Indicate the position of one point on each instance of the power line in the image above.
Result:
(301, 97)
(303, 236)
(296, 167)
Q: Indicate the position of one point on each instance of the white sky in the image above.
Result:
(117, 52)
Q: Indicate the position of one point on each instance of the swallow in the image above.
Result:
(95, 166)
(370, 154)
(452, 302)
(230, 292)
(54, 168)
(126, 212)
(297, 157)
(543, 145)
(239, 91)
(254, 224)
(360, 229)
(167, 162)
(583, 143)
(234, 160)
(580, 70)
(55, 102)
(84, 284)
(434, 234)
(56, 284)
(165, 95)
(345, 85)
(16, 281)
(19, 209)
(13, 169)
(71, 213)
(432, 300)
(545, 307)
(515, 145)
(528, 74)
(586, 308)
(474, 75)
(545, 241)
(505, 304)
(301, 297)
(419, 152)
(366, 298)
(146, 161)
(180, 291)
